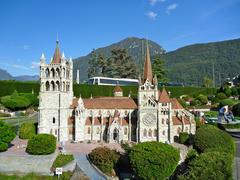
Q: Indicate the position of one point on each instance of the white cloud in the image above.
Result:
(153, 2)
(35, 65)
(18, 66)
(26, 47)
(171, 7)
(152, 15)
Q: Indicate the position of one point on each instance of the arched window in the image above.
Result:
(52, 86)
(47, 86)
(150, 133)
(54, 120)
(63, 88)
(89, 130)
(57, 72)
(125, 131)
(52, 73)
(163, 133)
(162, 121)
(155, 133)
(55, 131)
(47, 72)
(145, 133)
(64, 72)
(179, 130)
(98, 130)
(57, 86)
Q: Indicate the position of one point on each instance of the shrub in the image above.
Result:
(62, 160)
(210, 165)
(104, 158)
(41, 144)
(227, 91)
(236, 109)
(3, 146)
(209, 137)
(182, 102)
(227, 102)
(126, 147)
(203, 99)
(5, 115)
(154, 160)
(192, 154)
(6, 133)
(27, 131)
(195, 102)
(221, 95)
(183, 137)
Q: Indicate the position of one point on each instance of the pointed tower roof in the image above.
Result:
(57, 55)
(117, 89)
(147, 74)
(164, 97)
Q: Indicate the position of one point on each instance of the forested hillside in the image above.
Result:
(192, 63)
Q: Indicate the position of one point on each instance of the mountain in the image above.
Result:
(135, 47)
(4, 75)
(190, 64)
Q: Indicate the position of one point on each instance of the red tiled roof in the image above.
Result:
(164, 97)
(117, 89)
(176, 104)
(176, 120)
(57, 55)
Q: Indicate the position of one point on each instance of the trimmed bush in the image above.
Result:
(183, 137)
(195, 102)
(227, 102)
(3, 146)
(209, 138)
(6, 133)
(62, 160)
(104, 158)
(221, 95)
(192, 154)
(5, 115)
(27, 131)
(236, 109)
(41, 144)
(210, 165)
(203, 99)
(154, 160)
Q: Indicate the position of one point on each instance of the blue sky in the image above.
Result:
(30, 27)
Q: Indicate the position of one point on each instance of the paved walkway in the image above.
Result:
(87, 168)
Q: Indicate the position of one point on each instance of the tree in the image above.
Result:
(6, 136)
(154, 160)
(158, 69)
(207, 82)
(93, 68)
(121, 64)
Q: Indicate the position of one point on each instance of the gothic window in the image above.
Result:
(57, 72)
(47, 86)
(163, 133)
(98, 130)
(89, 130)
(178, 130)
(54, 120)
(47, 73)
(167, 121)
(125, 131)
(55, 131)
(64, 72)
(76, 113)
(155, 133)
(162, 121)
(63, 88)
(145, 133)
(52, 86)
(57, 86)
(150, 133)
(52, 73)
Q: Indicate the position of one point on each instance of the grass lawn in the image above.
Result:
(62, 160)
(33, 176)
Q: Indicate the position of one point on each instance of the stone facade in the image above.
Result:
(155, 117)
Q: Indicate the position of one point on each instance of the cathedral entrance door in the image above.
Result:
(116, 134)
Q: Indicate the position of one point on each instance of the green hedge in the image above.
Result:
(183, 137)
(154, 160)
(62, 160)
(41, 144)
(236, 109)
(104, 158)
(229, 126)
(210, 165)
(6, 136)
(209, 137)
(27, 131)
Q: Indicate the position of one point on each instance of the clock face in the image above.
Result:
(149, 119)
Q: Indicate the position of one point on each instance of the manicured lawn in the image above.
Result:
(62, 160)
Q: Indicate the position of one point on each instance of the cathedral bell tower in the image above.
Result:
(56, 93)
(147, 103)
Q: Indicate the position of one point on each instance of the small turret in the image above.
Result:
(42, 59)
(118, 92)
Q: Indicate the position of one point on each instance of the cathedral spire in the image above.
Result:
(57, 54)
(147, 75)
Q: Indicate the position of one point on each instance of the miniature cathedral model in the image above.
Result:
(155, 116)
